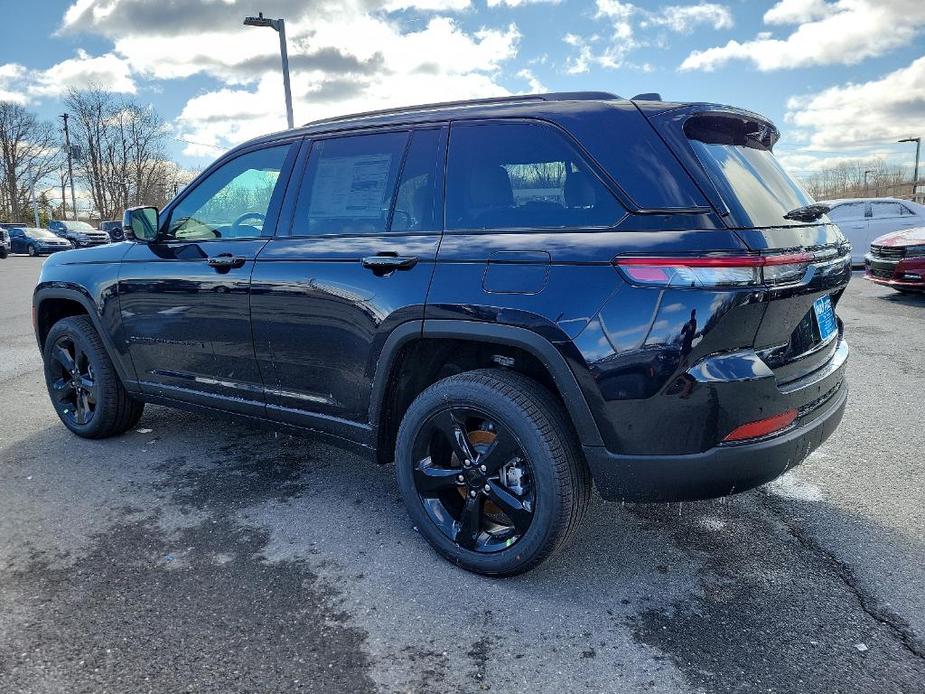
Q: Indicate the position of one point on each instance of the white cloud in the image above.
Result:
(519, 3)
(683, 19)
(427, 5)
(868, 114)
(12, 76)
(22, 85)
(344, 56)
(108, 71)
(438, 62)
(841, 32)
(797, 11)
(536, 87)
(624, 18)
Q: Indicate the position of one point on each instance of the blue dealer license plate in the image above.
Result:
(825, 317)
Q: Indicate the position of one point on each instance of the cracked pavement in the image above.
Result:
(200, 554)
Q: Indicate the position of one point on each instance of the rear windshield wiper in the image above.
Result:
(807, 213)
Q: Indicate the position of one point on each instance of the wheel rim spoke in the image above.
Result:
(470, 523)
(64, 358)
(514, 508)
(502, 449)
(80, 414)
(432, 480)
(449, 424)
(62, 388)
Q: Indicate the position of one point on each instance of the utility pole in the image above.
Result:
(63, 199)
(915, 172)
(70, 168)
(866, 187)
(35, 207)
(279, 25)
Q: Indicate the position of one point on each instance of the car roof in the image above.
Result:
(551, 106)
(840, 201)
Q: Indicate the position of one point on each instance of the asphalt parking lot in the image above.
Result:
(200, 554)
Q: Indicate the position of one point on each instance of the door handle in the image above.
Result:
(384, 264)
(226, 261)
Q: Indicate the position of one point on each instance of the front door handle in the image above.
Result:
(226, 261)
(384, 264)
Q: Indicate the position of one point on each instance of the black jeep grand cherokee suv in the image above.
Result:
(509, 298)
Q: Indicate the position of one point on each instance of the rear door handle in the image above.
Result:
(384, 264)
(226, 261)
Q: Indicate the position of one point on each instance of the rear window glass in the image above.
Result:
(737, 156)
(522, 176)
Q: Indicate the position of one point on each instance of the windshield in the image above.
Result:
(39, 234)
(77, 226)
(737, 156)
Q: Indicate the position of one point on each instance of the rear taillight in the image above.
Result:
(762, 427)
(714, 270)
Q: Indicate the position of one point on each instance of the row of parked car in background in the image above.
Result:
(60, 235)
(887, 236)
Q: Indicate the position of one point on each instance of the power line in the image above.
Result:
(197, 144)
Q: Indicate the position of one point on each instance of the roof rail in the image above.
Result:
(500, 100)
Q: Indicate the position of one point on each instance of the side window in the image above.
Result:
(416, 199)
(232, 202)
(522, 175)
(842, 213)
(886, 209)
(905, 211)
(349, 184)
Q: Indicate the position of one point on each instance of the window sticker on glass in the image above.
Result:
(351, 186)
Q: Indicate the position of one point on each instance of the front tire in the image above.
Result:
(31, 251)
(490, 471)
(83, 385)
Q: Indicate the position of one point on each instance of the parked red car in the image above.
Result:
(897, 260)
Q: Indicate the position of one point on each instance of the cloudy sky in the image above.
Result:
(841, 78)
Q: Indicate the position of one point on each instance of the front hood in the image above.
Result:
(107, 253)
(906, 237)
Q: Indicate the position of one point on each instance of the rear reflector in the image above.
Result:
(762, 427)
(714, 270)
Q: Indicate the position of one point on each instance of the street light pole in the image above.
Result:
(915, 172)
(866, 187)
(278, 25)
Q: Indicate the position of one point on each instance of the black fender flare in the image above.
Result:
(494, 333)
(81, 296)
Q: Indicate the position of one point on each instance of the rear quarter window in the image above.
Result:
(522, 175)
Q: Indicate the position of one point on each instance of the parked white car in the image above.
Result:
(862, 220)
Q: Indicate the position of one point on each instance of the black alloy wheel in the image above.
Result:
(473, 479)
(490, 471)
(31, 251)
(82, 382)
(74, 387)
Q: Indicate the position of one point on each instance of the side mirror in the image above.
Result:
(140, 224)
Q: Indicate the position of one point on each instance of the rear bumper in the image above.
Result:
(726, 468)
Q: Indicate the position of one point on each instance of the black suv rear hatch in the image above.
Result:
(729, 153)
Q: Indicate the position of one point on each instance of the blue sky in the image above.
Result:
(841, 78)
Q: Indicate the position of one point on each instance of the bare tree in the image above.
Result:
(29, 149)
(853, 178)
(123, 160)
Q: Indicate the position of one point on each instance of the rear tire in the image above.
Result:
(515, 415)
(82, 382)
